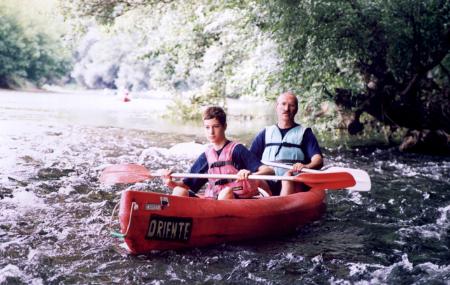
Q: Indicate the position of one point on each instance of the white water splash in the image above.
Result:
(434, 269)
(317, 259)
(260, 280)
(172, 275)
(66, 190)
(285, 258)
(188, 150)
(13, 272)
(434, 170)
(5, 245)
(25, 200)
(152, 154)
(356, 197)
(436, 230)
(380, 275)
(32, 253)
(443, 220)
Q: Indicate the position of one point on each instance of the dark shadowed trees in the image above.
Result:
(389, 59)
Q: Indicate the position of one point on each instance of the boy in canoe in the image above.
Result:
(225, 157)
(287, 142)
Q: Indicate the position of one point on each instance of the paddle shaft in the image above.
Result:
(336, 180)
(285, 166)
(132, 173)
(231, 176)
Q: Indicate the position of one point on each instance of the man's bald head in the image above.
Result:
(289, 95)
(287, 107)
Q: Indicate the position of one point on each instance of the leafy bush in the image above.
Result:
(26, 54)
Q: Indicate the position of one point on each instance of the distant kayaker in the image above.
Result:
(287, 142)
(225, 157)
(125, 96)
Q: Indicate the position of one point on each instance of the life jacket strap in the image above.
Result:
(223, 181)
(220, 164)
(286, 161)
(285, 144)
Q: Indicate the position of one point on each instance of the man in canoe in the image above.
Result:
(225, 157)
(287, 142)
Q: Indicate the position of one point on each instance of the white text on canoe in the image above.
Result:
(169, 228)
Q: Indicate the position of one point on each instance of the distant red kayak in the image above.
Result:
(154, 221)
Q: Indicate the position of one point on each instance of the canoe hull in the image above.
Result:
(155, 221)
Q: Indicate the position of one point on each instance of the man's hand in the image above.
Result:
(297, 167)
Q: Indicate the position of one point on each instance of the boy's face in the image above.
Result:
(214, 130)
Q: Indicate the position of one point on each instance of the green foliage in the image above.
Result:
(333, 37)
(12, 45)
(190, 107)
(105, 12)
(27, 54)
(311, 36)
(387, 58)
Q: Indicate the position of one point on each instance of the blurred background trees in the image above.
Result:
(30, 50)
(187, 47)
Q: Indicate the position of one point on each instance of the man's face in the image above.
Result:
(214, 130)
(286, 107)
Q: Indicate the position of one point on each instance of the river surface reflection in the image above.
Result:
(105, 109)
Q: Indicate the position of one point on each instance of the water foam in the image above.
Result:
(11, 272)
(25, 200)
(188, 150)
(379, 274)
(436, 230)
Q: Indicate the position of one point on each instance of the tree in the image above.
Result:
(12, 45)
(389, 59)
(26, 54)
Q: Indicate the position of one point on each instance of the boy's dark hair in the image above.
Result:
(215, 113)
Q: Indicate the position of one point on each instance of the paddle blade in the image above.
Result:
(124, 174)
(330, 181)
(361, 177)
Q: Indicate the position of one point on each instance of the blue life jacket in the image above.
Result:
(284, 150)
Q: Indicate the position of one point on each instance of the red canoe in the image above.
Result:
(154, 221)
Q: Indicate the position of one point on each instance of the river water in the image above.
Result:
(55, 214)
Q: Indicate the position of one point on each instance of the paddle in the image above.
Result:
(132, 173)
(361, 177)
